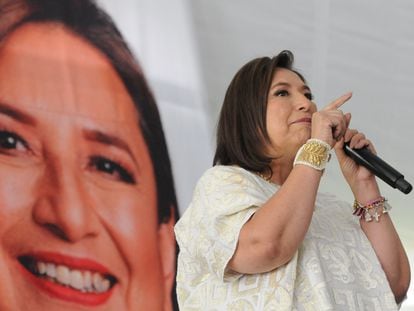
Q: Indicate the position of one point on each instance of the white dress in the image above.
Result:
(335, 268)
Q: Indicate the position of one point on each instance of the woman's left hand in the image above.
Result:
(355, 174)
(382, 235)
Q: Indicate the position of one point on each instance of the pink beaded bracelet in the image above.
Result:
(370, 210)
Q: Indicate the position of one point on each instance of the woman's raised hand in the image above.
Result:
(330, 123)
(354, 174)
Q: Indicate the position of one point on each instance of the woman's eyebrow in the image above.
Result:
(16, 114)
(304, 87)
(108, 139)
(280, 84)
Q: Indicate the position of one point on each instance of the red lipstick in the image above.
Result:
(71, 262)
(56, 290)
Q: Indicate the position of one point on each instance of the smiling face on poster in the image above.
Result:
(81, 221)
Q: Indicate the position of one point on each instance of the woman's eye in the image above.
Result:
(282, 93)
(309, 96)
(11, 141)
(112, 169)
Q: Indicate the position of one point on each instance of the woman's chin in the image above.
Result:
(302, 139)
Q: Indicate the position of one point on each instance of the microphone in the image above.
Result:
(378, 167)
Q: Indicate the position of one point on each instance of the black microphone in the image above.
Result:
(378, 167)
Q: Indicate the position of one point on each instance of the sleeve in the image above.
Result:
(224, 200)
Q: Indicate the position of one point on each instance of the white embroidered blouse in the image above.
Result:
(335, 268)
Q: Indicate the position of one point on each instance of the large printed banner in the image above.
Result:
(87, 200)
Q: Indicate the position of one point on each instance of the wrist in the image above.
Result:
(373, 209)
(314, 153)
(365, 191)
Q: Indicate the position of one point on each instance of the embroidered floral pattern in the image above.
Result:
(334, 269)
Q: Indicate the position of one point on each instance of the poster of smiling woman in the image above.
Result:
(87, 200)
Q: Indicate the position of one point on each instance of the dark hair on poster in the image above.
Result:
(85, 20)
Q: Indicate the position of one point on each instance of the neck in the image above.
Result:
(281, 169)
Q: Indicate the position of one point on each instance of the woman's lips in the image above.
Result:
(303, 120)
(78, 280)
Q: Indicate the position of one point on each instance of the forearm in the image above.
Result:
(390, 252)
(273, 234)
(386, 244)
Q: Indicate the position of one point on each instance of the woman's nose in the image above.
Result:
(64, 208)
(304, 103)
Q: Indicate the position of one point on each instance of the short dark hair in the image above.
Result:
(241, 129)
(88, 21)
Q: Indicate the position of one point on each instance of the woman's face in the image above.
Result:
(78, 203)
(289, 113)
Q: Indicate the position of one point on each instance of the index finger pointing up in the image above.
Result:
(338, 102)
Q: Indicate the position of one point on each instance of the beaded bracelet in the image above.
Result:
(314, 153)
(370, 211)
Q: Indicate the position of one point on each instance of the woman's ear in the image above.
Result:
(167, 248)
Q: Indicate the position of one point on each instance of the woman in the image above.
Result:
(258, 235)
(86, 217)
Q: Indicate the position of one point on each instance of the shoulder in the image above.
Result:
(232, 183)
(222, 190)
(225, 170)
(225, 174)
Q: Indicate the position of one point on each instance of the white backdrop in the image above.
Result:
(190, 49)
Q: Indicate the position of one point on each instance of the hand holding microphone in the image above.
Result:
(378, 167)
(361, 155)
(366, 158)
